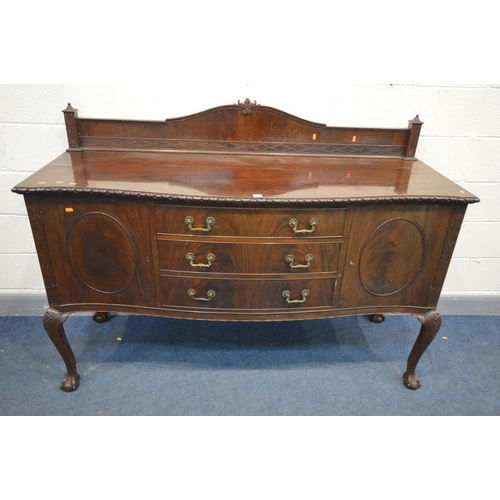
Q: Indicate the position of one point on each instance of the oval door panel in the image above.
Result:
(101, 253)
(391, 257)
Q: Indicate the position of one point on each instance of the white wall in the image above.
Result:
(460, 138)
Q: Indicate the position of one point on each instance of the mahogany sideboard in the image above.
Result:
(243, 213)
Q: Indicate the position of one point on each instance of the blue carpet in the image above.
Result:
(344, 366)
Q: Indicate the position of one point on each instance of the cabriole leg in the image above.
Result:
(53, 324)
(431, 322)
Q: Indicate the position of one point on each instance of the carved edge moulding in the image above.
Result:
(226, 201)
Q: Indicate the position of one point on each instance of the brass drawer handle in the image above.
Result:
(190, 221)
(210, 258)
(308, 258)
(210, 295)
(286, 294)
(294, 223)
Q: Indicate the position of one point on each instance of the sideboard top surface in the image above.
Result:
(260, 178)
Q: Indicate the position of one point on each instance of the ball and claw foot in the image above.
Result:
(377, 318)
(412, 382)
(70, 383)
(101, 317)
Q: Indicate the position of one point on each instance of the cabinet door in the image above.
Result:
(393, 255)
(100, 249)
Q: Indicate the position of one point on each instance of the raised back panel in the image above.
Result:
(246, 128)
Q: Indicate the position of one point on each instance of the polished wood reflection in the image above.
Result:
(244, 176)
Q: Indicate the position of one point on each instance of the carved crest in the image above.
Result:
(247, 106)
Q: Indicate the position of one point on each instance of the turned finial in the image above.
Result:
(70, 109)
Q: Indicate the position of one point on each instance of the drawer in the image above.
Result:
(257, 258)
(250, 222)
(221, 293)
